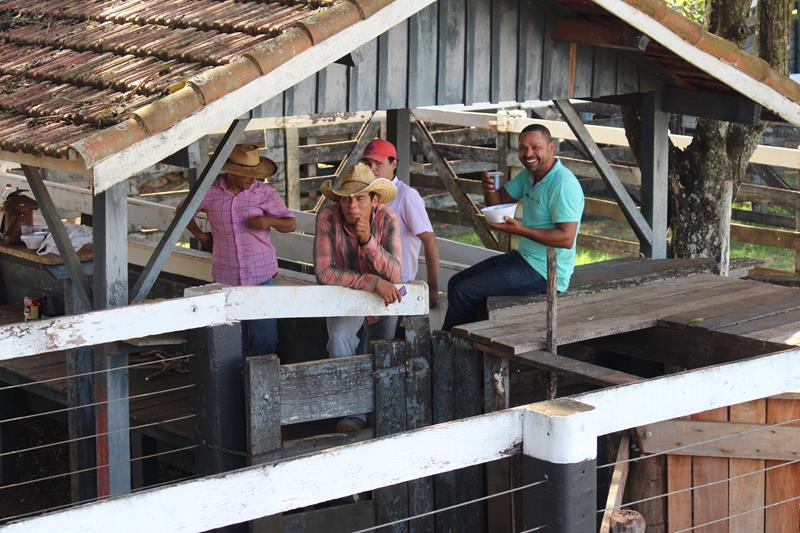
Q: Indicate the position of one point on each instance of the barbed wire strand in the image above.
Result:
(538, 528)
(700, 443)
(451, 507)
(95, 372)
(6, 519)
(98, 467)
(737, 515)
(704, 485)
(76, 439)
(95, 404)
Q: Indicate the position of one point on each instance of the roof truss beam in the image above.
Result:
(638, 223)
(597, 33)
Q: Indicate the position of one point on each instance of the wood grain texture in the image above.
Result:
(747, 493)
(710, 503)
(782, 483)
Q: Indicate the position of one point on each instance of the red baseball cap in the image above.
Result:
(380, 150)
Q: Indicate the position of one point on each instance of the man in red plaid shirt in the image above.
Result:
(242, 210)
(357, 245)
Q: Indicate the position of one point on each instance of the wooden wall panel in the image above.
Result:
(782, 483)
(364, 79)
(479, 54)
(555, 65)
(531, 45)
(710, 503)
(504, 50)
(302, 98)
(584, 71)
(332, 89)
(627, 76)
(747, 493)
(393, 67)
(422, 57)
(272, 107)
(604, 81)
(452, 41)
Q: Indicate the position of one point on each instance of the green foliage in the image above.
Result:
(693, 9)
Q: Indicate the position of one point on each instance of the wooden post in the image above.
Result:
(219, 397)
(627, 521)
(80, 422)
(654, 166)
(496, 397)
(391, 503)
(457, 394)
(566, 501)
(797, 210)
(725, 207)
(419, 411)
(291, 146)
(617, 485)
(552, 314)
(398, 132)
(502, 143)
(263, 399)
(112, 418)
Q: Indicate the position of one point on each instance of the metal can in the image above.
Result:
(496, 175)
(32, 306)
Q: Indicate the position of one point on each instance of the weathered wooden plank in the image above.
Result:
(504, 50)
(784, 482)
(584, 371)
(391, 503)
(339, 519)
(332, 88)
(392, 67)
(617, 485)
(497, 396)
(679, 478)
(323, 152)
(452, 42)
(326, 389)
(609, 245)
(766, 236)
(301, 99)
(584, 65)
(419, 411)
(470, 153)
(758, 442)
(291, 145)
(263, 401)
(747, 493)
(604, 82)
(479, 60)
(530, 57)
(364, 79)
(749, 192)
(710, 503)
(422, 58)
(555, 67)
(627, 75)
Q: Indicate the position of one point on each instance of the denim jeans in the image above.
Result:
(503, 275)
(260, 337)
(343, 333)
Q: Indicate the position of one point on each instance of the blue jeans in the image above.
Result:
(260, 337)
(503, 275)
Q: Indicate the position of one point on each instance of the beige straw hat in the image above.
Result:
(245, 160)
(360, 179)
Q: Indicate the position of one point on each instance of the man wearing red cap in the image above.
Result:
(408, 205)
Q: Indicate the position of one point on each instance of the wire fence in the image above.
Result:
(35, 455)
(748, 483)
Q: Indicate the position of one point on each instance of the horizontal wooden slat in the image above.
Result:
(744, 441)
(587, 372)
(766, 237)
(606, 244)
(326, 389)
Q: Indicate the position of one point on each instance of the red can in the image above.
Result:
(32, 307)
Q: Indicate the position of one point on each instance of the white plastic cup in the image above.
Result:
(496, 175)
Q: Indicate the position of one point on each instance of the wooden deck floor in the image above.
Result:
(746, 308)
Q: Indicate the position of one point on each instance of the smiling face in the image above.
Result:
(384, 168)
(536, 153)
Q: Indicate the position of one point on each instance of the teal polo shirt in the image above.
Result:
(558, 197)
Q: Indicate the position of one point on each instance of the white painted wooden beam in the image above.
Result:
(218, 114)
(677, 395)
(265, 490)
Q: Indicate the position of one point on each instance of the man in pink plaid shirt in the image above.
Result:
(242, 211)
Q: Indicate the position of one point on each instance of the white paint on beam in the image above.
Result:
(264, 490)
(218, 114)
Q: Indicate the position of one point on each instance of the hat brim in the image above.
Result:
(376, 157)
(265, 168)
(381, 186)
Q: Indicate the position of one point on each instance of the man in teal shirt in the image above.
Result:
(553, 202)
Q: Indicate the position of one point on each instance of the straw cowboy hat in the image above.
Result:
(360, 179)
(245, 160)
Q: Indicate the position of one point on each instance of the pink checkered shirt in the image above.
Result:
(242, 256)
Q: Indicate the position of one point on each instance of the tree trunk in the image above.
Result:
(719, 151)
